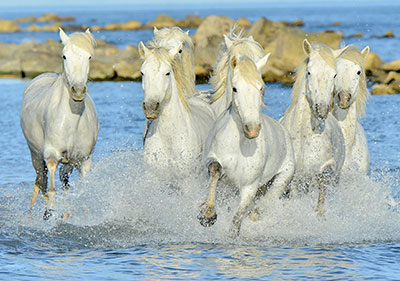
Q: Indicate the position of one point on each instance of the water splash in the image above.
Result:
(123, 203)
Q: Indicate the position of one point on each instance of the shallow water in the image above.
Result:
(127, 222)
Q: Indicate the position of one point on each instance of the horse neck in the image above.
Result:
(66, 102)
(173, 112)
(347, 119)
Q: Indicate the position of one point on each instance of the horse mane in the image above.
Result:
(162, 55)
(186, 59)
(327, 55)
(248, 70)
(241, 46)
(83, 40)
(352, 54)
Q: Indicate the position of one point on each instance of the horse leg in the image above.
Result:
(84, 166)
(208, 216)
(40, 181)
(65, 171)
(247, 195)
(51, 193)
(324, 179)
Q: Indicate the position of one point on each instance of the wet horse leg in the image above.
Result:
(40, 181)
(65, 171)
(51, 193)
(208, 216)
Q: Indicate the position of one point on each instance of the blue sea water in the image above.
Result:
(128, 225)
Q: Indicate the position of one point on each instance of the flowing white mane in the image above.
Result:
(327, 55)
(163, 38)
(352, 54)
(83, 40)
(241, 46)
(162, 55)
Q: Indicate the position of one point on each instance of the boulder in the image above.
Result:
(358, 34)
(243, 22)
(212, 26)
(190, 21)
(130, 25)
(285, 45)
(53, 17)
(391, 66)
(8, 26)
(51, 27)
(161, 21)
(26, 19)
(392, 77)
(388, 34)
(294, 23)
(382, 89)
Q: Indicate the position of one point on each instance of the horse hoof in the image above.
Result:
(48, 213)
(207, 221)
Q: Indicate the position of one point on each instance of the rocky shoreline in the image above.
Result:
(282, 39)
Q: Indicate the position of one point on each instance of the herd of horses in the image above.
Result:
(224, 130)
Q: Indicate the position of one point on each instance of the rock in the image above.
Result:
(243, 22)
(392, 76)
(50, 27)
(337, 23)
(212, 26)
(373, 65)
(26, 19)
(392, 66)
(75, 27)
(190, 22)
(358, 34)
(130, 25)
(101, 71)
(388, 34)
(8, 26)
(205, 55)
(53, 17)
(294, 23)
(161, 21)
(382, 89)
(285, 45)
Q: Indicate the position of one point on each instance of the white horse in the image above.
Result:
(180, 122)
(318, 141)
(234, 45)
(351, 95)
(252, 150)
(59, 119)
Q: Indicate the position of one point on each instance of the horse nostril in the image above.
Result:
(84, 89)
(144, 105)
(73, 89)
(157, 105)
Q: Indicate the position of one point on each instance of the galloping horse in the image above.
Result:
(180, 121)
(351, 95)
(249, 148)
(59, 120)
(318, 141)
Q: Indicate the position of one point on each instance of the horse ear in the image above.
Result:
(64, 37)
(228, 41)
(307, 47)
(339, 52)
(187, 33)
(262, 62)
(251, 38)
(365, 51)
(87, 31)
(142, 50)
(233, 62)
(155, 30)
(177, 49)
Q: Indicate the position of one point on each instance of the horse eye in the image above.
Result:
(335, 75)
(90, 57)
(64, 57)
(308, 73)
(358, 72)
(234, 89)
(141, 73)
(168, 73)
(180, 51)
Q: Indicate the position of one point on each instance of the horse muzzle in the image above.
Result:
(78, 94)
(251, 131)
(344, 100)
(151, 110)
(321, 111)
